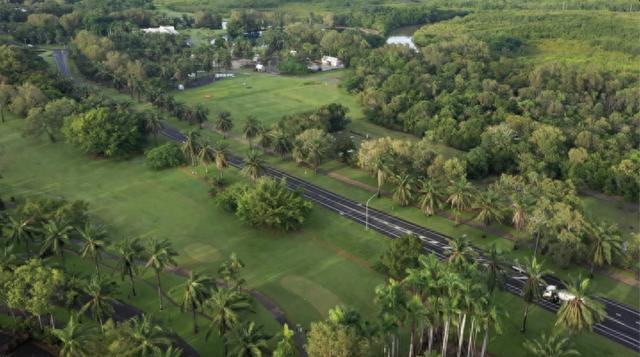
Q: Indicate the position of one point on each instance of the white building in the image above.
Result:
(331, 61)
(169, 30)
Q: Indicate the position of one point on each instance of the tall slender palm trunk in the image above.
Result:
(524, 320)
(485, 341)
(159, 289)
(445, 337)
(471, 336)
(461, 334)
(411, 342)
(133, 285)
(430, 344)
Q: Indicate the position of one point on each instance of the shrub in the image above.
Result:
(291, 66)
(165, 156)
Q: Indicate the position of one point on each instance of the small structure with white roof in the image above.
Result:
(169, 30)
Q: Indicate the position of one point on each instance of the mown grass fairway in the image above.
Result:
(133, 200)
(269, 97)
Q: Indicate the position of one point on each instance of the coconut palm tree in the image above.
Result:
(605, 243)
(8, 258)
(56, 236)
(93, 243)
(195, 291)
(200, 114)
(153, 124)
(449, 308)
(520, 206)
(286, 346)
(532, 289)
(146, 336)
(418, 315)
(282, 143)
(391, 299)
(583, 311)
(380, 168)
(20, 231)
(191, 147)
(430, 196)
(494, 268)
(224, 306)
(460, 251)
(489, 208)
(129, 251)
(75, 338)
(461, 194)
(169, 352)
(265, 138)
(205, 156)
(221, 155)
(223, 123)
(248, 340)
(489, 317)
(100, 292)
(160, 255)
(403, 192)
(253, 165)
(251, 128)
(552, 345)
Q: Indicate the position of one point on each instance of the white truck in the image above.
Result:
(552, 293)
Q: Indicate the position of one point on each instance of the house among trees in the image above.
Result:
(332, 61)
(169, 30)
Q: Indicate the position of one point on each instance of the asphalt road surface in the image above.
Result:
(621, 325)
(60, 56)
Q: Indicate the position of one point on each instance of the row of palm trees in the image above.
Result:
(604, 240)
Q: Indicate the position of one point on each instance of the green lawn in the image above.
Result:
(306, 272)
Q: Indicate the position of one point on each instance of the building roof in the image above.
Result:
(162, 29)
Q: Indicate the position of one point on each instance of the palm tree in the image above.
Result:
(74, 338)
(160, 255)
(56, 236)
(380, 168)
(190, 147)
(552, 345)
(265, 138)
(460, 196)
(221, 156)
(251, 128)
(282, 143)
(153, 124)
(494, 268)
(532, 289)
(286, 346)
(93, 243)
(249, 341)
(100, 292)
(430, 196)
(225, 305)
(223, 123)
(488, 207)
(520, 207)
(205, 157)
(20, 231)
(582, 312)
(169, 352)
(8, 259)
(200, 114)
(606, 242)
(253, 165)
(129, 251)
(488, 318)
(392, 302)
(418, 316)
(196, 290)
(403, 193)
(146, 336)
(460, 251)
(449, 309)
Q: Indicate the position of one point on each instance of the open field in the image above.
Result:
(306, 272)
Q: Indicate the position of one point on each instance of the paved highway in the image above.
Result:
(622, 324)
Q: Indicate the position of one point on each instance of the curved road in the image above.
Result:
(622, 324)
